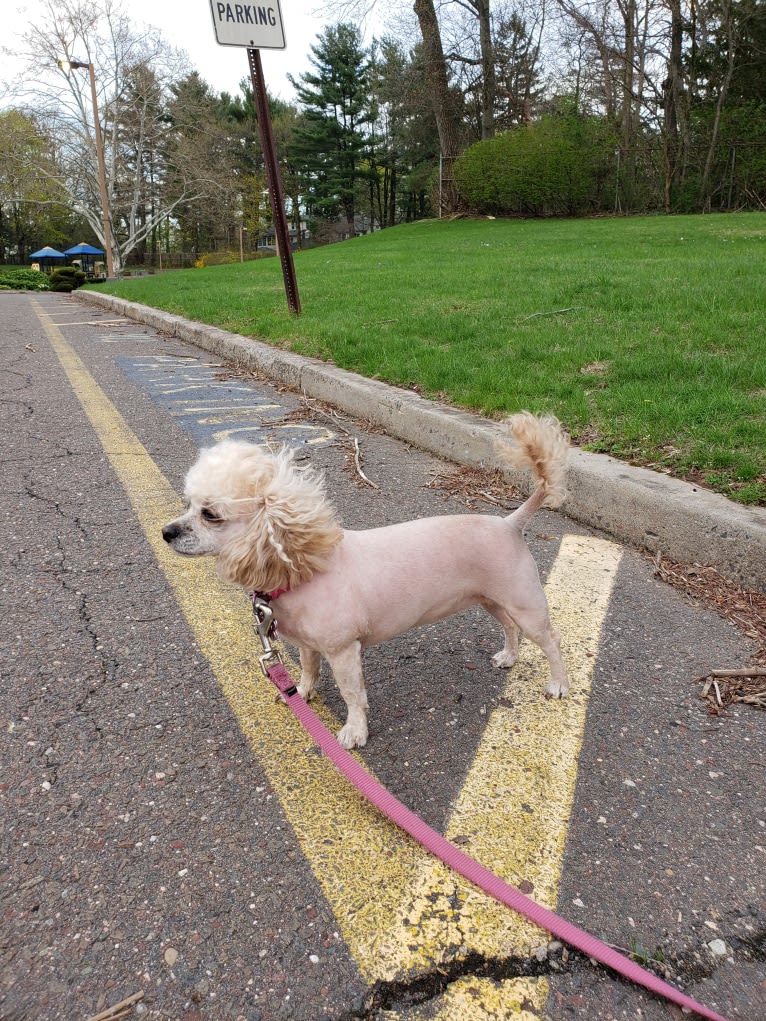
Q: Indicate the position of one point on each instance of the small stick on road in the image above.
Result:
(358, 463)
(748, 671)
(118, 1010)
(357, 453)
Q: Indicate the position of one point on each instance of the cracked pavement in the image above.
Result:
(144, 847)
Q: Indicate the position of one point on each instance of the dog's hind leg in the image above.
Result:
(538, 629)
(535, 624)
(510, 651)
(310, 661)
(347, 669)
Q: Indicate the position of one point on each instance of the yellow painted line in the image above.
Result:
(516, 801)
(512, 811)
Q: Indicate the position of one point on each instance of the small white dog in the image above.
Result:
(274, 531)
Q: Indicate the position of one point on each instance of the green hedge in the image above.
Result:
(12, 279)
(562, 165)
(66, 279)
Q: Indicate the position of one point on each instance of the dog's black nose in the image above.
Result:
(170, 532)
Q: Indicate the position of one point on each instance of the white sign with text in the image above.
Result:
(255, 25)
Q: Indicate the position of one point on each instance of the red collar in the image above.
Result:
(270, 596)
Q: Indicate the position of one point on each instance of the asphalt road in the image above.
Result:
(169, 833)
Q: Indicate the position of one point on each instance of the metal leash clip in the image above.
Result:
(265, 628)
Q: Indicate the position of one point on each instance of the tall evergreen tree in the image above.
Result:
(331, 136)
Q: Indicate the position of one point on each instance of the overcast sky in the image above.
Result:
(188, 25)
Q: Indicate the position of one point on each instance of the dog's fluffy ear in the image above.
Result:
(288, 528)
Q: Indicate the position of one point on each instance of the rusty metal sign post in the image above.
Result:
(255, 27)
(274, 181)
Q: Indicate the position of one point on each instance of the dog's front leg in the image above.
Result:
(347, 669)
(310, 661)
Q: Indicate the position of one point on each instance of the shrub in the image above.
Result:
(224, 258)
(66, 279)
(12, 279)
(558, 166)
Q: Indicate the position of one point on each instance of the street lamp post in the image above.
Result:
(69, 65)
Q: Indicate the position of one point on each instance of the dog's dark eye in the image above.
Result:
(208, 514)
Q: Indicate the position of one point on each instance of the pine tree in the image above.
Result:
(330, 138)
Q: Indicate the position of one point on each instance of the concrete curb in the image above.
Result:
(642, 508)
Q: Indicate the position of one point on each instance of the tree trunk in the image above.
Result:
(488, 84)
(674, 130)
(628, 77)
(731, 42)
(442, 99)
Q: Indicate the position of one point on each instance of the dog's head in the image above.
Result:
(270, 525)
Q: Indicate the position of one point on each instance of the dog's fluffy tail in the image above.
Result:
(539, 445)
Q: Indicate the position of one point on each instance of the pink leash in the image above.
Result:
(438, 845)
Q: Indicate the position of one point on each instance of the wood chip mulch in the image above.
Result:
(746, 609)
(472, 486)
(723, 688)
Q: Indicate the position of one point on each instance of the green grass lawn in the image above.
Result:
(645, 336)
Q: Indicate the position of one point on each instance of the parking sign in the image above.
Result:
(254, 25)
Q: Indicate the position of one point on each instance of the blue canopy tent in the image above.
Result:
(46, 257)
(86, 255)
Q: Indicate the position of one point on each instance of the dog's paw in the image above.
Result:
(351, 737)
(307, 692)
(504, 659)
(555, 689)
